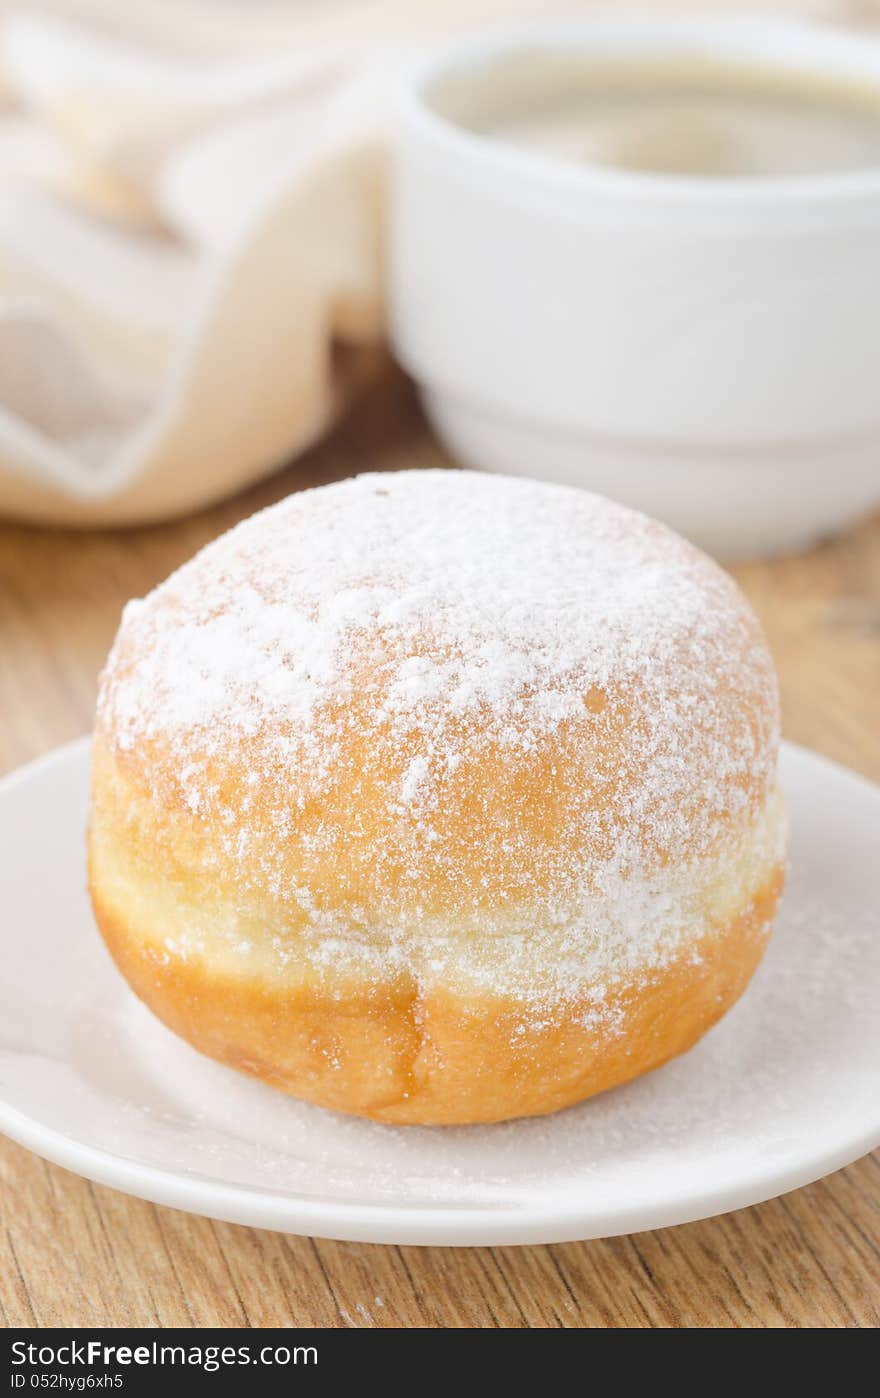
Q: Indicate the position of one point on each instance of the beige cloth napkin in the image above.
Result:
(191, 250)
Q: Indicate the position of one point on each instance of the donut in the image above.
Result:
(439, 797)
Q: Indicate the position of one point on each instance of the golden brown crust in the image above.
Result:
(399, 1056)
(436, 797)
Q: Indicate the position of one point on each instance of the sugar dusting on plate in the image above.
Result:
(755, 1085)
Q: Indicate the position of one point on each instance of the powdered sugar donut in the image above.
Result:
(439, 797)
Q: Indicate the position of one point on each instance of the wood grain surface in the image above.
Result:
(73, 1253)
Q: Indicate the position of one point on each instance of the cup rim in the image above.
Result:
(819, 48)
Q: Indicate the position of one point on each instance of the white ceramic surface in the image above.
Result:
(786, 1089)
(706, 350)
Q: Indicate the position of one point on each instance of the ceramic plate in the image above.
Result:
(786, 1089)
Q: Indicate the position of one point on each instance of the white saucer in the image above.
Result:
(785, 1090)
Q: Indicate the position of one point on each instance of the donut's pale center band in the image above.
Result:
(537, 952)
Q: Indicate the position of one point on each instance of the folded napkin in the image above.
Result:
(191, 237)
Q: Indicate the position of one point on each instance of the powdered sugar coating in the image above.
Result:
(466, 697)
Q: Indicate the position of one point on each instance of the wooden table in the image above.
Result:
(72, 1253)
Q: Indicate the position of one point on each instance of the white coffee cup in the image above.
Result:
(704, 349)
